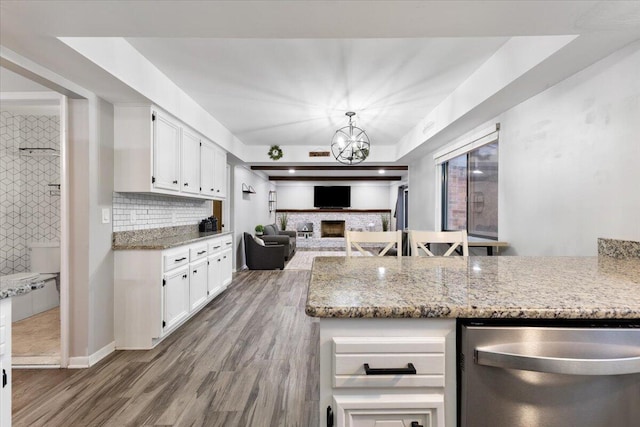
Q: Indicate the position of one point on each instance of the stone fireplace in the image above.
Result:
(330, 228)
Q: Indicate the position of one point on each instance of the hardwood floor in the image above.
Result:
(250, 358)
(36, 339)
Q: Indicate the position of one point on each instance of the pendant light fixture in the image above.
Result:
(350, 144)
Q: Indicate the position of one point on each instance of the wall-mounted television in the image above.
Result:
(332, 197)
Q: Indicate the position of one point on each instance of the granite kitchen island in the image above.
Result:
(377, 310)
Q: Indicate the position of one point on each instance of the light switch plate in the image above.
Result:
(105, 216)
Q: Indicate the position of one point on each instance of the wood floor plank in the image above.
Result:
(249, 358)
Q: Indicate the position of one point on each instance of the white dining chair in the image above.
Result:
(420, 239)
(391, 238)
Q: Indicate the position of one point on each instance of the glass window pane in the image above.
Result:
(457, 193)
(483, 191)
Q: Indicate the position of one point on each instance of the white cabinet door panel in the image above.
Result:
(175, 297)
(207, 168)
(190, 162)
(166, 153)
(226, 267)
(198, 284)
(214, 278)
(389, 410)
(221, 174)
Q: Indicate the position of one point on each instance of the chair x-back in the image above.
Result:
(420, 239)
(391, 238)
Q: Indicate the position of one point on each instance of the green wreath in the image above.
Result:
(275, 152)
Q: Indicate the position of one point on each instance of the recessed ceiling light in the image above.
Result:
(381, 171)
(292, 171)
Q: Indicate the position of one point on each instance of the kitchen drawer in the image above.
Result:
(215, 245)
(425, 354)
(176, 259)
(197, 252)
(227, 241)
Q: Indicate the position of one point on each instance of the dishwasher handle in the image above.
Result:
(514, 356)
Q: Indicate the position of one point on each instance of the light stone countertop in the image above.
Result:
(475, 287)
(10, 290)
(166, 242)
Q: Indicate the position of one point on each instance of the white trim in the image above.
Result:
(64, 233)
(88, 361)
(467, 144)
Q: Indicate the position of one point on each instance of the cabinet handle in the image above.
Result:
(218, 191)
(186, 184)
(409, 370)
(175, 182)
(184, 276)
(228, 243)
(4, 378)
(212, 189)
(216, 247)
(195, 271)
(180, 259)
(330, 417)
(202, 252)
(415, 424)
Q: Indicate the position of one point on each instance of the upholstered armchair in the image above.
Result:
(287, 238)
(259, 257)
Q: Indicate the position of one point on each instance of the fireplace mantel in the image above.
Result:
(319, 211)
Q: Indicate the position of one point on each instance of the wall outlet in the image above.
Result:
(105, 215)
(132, 217)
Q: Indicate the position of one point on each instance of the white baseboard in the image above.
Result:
(88, 361)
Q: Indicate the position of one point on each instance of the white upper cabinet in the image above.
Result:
(190, 162)
(156, 153)
(166, 153)
(220, 168)
(207, 169)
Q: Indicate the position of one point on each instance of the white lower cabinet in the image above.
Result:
(158, 290)
(387, 372)
(175, 297)
(226, 267)
(5, 362)
(404, 410)
(198, 284)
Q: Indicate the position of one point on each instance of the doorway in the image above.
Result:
(217, 212)
(33, 144)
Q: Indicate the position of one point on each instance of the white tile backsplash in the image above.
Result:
(29, 207)
(156, 211)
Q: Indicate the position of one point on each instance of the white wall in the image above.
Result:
(91, 257)
(364, 195)
(568, 164)
(248, 210)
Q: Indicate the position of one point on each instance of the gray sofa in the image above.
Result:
(279, 237)
(260, 257)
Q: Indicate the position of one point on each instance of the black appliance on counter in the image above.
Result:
(208, 224)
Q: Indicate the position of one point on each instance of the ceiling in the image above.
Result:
(285, 72)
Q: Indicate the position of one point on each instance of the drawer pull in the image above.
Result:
(216, 247)
(180, 259)
(409, 370)
(415, 424)
(202, 252)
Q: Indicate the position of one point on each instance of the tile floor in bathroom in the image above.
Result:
(36, 339)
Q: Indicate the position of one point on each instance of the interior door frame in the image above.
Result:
(53, 98)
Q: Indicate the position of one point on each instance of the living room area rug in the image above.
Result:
(303, 260)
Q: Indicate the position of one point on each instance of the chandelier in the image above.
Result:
(350, 144)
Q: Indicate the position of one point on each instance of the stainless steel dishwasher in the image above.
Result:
(517, 376)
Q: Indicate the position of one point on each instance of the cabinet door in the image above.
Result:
(190, 162)
(227, 267)
(175, 297)
(166, 153)
(207, 168)
(198, 284)
(214, 284)
(221, 174)
(389, 410)
(5, 362)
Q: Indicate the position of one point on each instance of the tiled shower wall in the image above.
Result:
(133, 211)
(29, 204)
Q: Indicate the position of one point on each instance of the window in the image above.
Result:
(470, 192)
